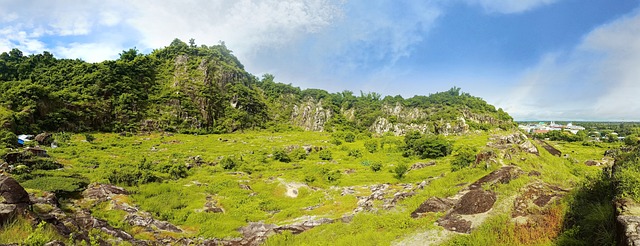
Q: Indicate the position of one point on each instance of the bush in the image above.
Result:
(299, 154)
(41, 164)
(8, 139)
(281, 155)
(376, 166)
(61, 138)
(463, 158)
(325, 154)
(228, 163)
(332, 176)
(309, 178)
(426, 146)
(177, 171)
(400, 170)
(336, 142)
(349, 137)
(131, 176)
(371, 145)
(355, 153)
(89, 137)
(61, 186)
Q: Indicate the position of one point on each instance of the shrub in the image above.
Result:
(355, 153)
(309, 178)
(463, 158)
(349, 137)
(371, 145)
(228, 163)
(299, 154)
(177, 171)
(42, 164)
(400, 170)
(61, 186)
(332, 176)
(336, 142)
(281, 155)
(131, 176)
(426, 146)
(89, 137)
(325, 154)
(8, 139)
(376, 166)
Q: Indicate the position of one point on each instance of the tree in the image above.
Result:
(463, 157)
(631, 139)
(400, 170)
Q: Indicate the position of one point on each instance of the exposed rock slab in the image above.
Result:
(475, 202)
(12, 191)
(467, 209)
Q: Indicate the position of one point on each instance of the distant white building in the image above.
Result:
(542, 127)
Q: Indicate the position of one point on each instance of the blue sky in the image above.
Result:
(537, 59)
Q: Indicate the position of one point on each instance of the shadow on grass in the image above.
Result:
(590, 217)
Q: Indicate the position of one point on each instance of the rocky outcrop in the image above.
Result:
(12, 191)
(310, 115)
(433, 205)
(533, 199)
(467, 209)
(627, 222)
(552, 150)
(421, 165)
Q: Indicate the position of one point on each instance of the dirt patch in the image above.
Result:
(475, 202)
(433, 204)
(292, 188)
(550, 148)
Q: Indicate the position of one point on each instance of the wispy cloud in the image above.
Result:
(598, 79)
(510, 6)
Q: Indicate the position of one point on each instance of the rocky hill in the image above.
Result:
(189, 88)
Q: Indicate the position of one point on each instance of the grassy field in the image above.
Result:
(246, 176)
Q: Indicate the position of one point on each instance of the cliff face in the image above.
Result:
(310, 115)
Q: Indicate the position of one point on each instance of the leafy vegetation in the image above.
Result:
(426, 146)
(144, 122)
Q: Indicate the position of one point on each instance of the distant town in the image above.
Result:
(543, 127)
(595, 131)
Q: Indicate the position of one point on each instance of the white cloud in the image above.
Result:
(245, 25)
(510, 6)
(27, 23)
(90, 52)
(598, 79)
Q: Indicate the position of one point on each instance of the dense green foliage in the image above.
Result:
(192, 89)
(426, 146)
(463, 157)
(626, 174)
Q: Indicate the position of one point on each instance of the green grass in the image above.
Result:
(181, 200)
(20, 230)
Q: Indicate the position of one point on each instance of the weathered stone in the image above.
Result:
(454, 222)
(7, 212)
(432, 205)
(421, 165)
(475, 202)
(592, 163)
(103, 191)
(12, 191)
(503, 175)
(528, 147)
